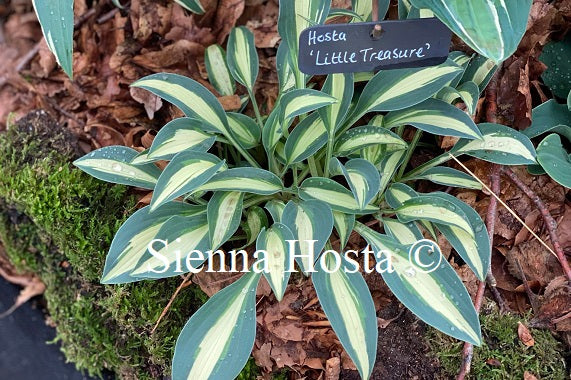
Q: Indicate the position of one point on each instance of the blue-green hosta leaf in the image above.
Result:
(308, 221)
(434, 209)
(217, 340)
(339, 86)
(274, 242)
(493, 28)
(178, 135)
(436, 117)
(256, 220)
(246, 130)
(367, 135)
(184, 174)
(449, 177)
(56, 20)
(500, 145)
(550, 116)
(468, 92)
(276, 210)
(179, 236)
(391, 90)
(397, 194)
(294, 17)
(190, 96)
(404, 7)
(475, 251)
(132, 240)
(364, 8)
(404, 233)
(480, 70)
(362, 176)
(556, 55)
(242, 56)
(438, 298)
(307, 138)
(224, 213)
(192, 5)
(113, 164)
(555, 159)
(348, 305)
(297, 102)
(218, 73)
(343, 225)
(248, 180)
(334, 194)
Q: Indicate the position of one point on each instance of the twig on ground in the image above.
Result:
(183, 284)
(550, 223)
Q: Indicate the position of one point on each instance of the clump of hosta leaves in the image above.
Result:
(294, 181)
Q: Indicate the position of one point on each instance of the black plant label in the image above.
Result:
(371, 46)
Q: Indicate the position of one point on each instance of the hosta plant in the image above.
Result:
(326, 161)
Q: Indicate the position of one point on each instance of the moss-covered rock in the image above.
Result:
(58, 222)
(502, 354)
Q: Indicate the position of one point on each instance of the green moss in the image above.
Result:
(545, 359)
(58, 222)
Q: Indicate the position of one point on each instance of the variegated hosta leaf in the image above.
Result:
(248, 180)
(276, 210)
(339, 86)
(224, 213)
(348, 305)
(273, 129)
(436, 210)
(334, 194)
(555, 159)
(56, 20)
(218, 73)
(274, 242)
(185, 173)
(217, 340)
(493, 28)
(297, 102)
(306, 139)
(256, 220)
(404, 233)
(480, 70)
(286, 76)
(295, 16)
(132, 240)
(311, 223)
(468, 92)
(242, 56)
(501, 145)
(178, 135)
(245, 129)
(192, 5)
(180, 235)
(113, 164)
(449, 177)
(336, 12)
(367, 135)
(475, 251)
(190, 96)
(436, 117)
(362, 176)
(343, 225)
(364, 8)
(391, 90)
(388, 166)
(397, 194)
(438, 298)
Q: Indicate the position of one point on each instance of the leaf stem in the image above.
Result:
(329, 155)
(410, 151)
(256, 109)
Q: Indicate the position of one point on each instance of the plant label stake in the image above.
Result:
(371, 46)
